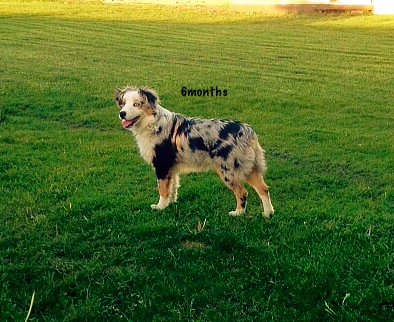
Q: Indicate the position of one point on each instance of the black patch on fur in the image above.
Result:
(164, 158)
(216, 145)
(223, 167)
(151, 97)
(232, 127)
(213, 149)
(224, 151)
(173, 126)
(243, 201)
(236, 164)
(197, 143)
(184, 127)
(119, 97)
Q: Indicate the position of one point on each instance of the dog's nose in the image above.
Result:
(122, 114)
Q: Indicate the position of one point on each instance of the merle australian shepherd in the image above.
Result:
(174, 144)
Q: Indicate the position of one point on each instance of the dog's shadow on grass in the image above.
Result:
(215, 235)
(204, 257)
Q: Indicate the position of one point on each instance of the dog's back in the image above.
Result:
(220, 145)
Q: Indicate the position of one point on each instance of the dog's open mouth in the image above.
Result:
(129, 123)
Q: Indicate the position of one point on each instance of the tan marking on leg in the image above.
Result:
(165, 188)
(241, 195)
(255, 179)
(239, 191)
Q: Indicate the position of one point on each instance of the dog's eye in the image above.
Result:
(136, 104)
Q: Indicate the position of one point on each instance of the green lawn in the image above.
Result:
(76, 226)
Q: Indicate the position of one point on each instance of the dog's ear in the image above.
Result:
(119, 96)
(150, 95)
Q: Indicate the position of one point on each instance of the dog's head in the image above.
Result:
(135, 104)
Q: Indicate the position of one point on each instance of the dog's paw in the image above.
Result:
(269, 213)
(163, 203)
(157, 207)
(237, 212)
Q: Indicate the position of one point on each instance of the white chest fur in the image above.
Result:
(146, 144)
(152, 132)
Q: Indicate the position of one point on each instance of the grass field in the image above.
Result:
(76, 229)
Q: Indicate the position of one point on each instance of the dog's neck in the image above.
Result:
(162, 112)
(153, 124)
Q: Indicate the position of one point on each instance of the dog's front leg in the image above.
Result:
(165, 187)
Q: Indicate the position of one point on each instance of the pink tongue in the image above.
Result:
(126, 123)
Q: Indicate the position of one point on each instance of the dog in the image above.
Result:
(174, 144)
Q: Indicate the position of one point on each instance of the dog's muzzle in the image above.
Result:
(127, 123)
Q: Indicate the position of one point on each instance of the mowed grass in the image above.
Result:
(76, 228)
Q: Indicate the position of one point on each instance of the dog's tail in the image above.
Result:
(260, 158)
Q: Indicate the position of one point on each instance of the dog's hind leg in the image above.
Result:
(239, 191)
(255, 179)
(165, 187)
(241, 195)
